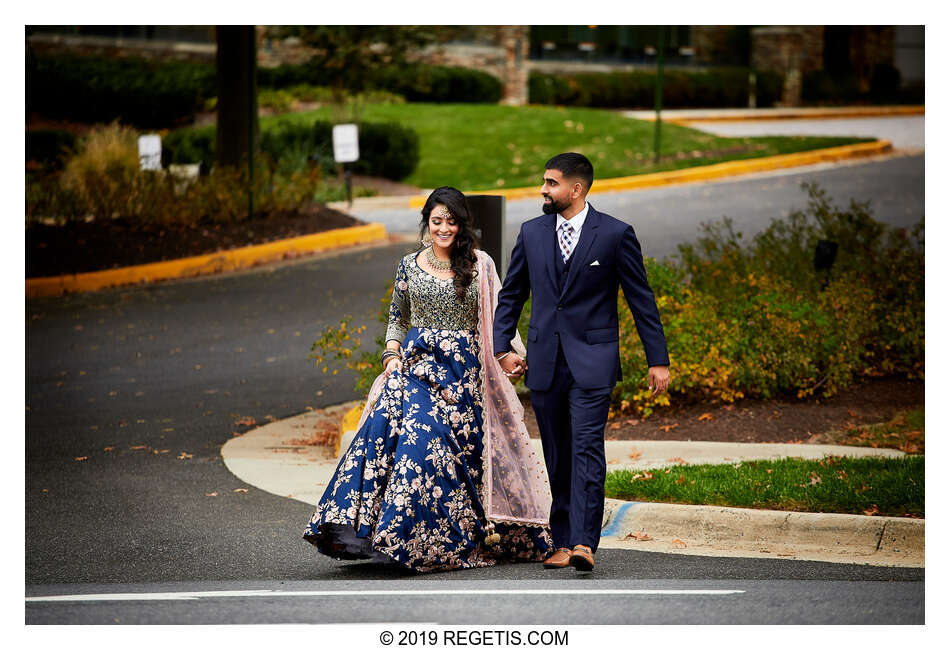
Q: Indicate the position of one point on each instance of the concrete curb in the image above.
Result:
(230, 260)
(703, 172)
(284, 458)
(800, 535)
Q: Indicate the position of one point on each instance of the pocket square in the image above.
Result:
(595, 263)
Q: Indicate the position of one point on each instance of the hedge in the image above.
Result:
(719, 87)
(158, 94)
(139, 92)
(822, 87)
(389, 150)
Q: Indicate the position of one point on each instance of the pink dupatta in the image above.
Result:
(515, 485)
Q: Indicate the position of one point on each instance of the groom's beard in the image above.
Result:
(554, 207)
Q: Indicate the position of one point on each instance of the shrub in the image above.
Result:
(48, 148)
(431, 83)
(140, 92)
(389, 150)
(102, 173)
(707, 88)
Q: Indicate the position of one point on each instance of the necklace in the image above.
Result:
(435, 262)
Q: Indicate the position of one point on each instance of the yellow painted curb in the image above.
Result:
(703, 172)
(896, 111)
(349, 422)
(237, 258)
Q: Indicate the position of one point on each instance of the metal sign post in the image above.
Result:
(346, 149)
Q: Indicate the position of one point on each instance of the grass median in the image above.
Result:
(870, 486)
(483, 147)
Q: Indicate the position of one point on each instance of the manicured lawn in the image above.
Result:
(479, 146)
(884, 486)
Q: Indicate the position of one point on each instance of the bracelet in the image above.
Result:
(502, 356)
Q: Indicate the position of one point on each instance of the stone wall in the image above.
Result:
(790, 50)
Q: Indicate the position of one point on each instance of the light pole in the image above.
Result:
(658, 101)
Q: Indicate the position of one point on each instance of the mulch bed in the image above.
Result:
(870, 402)
(81, 247)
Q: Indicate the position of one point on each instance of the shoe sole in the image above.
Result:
(556, 566)
(581, 564)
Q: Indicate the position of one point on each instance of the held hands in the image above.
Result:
(513, 365)
(659, 379)
(392, 364)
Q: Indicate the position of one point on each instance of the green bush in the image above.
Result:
(135, 91)
(718, 87)
(431, 83)
(758, 321)
(389, 150)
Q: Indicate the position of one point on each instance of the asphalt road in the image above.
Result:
(664, 217)
(130, 394)
(552, 602)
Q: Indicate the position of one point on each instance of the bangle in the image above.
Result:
(502, 356)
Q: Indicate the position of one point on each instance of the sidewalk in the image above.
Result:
(281, 458)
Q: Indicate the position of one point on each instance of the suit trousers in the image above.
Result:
(571, 421)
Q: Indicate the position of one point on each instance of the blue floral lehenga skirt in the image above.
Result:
(407, 490)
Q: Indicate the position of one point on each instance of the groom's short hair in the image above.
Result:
(573, 165)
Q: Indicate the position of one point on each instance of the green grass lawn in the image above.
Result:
(481, 146)
(884, 486)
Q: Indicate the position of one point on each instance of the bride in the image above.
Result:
(441, 473)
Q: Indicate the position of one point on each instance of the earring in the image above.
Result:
(427, 239)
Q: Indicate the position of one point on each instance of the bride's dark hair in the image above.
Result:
(463, 251)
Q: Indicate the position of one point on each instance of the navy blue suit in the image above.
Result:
(573, 352)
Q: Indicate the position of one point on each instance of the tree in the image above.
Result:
(236, 62)
(347, 54)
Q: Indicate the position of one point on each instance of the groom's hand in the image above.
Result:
(659, 379)
(513, 365)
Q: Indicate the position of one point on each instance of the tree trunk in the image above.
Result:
(236, 62)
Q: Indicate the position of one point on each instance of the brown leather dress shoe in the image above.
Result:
(582, 558)
(559, 559)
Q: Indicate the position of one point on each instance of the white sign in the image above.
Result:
(346, 144)
(150, 152)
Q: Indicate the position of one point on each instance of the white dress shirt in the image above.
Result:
(576, 222)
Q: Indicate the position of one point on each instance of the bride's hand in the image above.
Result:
(393, 364)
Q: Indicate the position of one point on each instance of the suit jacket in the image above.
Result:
(583, 313)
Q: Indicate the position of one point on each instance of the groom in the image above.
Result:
(571, 261)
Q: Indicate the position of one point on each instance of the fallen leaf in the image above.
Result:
(614, 425)
(635, 455)
(638, 537)
(108, 449)
(242, 490)
(246, 421)
(184, 455)
(632, 423)
(211, 494)
(139, 447)
(677, 460)
(815, 479)
(81, 458)
(678, 543)
(873, 510)
(667, 427)
(705, 416)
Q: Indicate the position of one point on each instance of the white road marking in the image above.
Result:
(266, 593)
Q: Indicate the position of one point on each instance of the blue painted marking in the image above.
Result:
(614, 526)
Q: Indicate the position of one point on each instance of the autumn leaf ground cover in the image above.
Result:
(870, 486)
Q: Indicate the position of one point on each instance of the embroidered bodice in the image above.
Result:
(422, 300)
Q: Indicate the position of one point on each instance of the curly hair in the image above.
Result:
(463, 252)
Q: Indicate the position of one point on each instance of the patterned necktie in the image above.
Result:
(566, 240)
